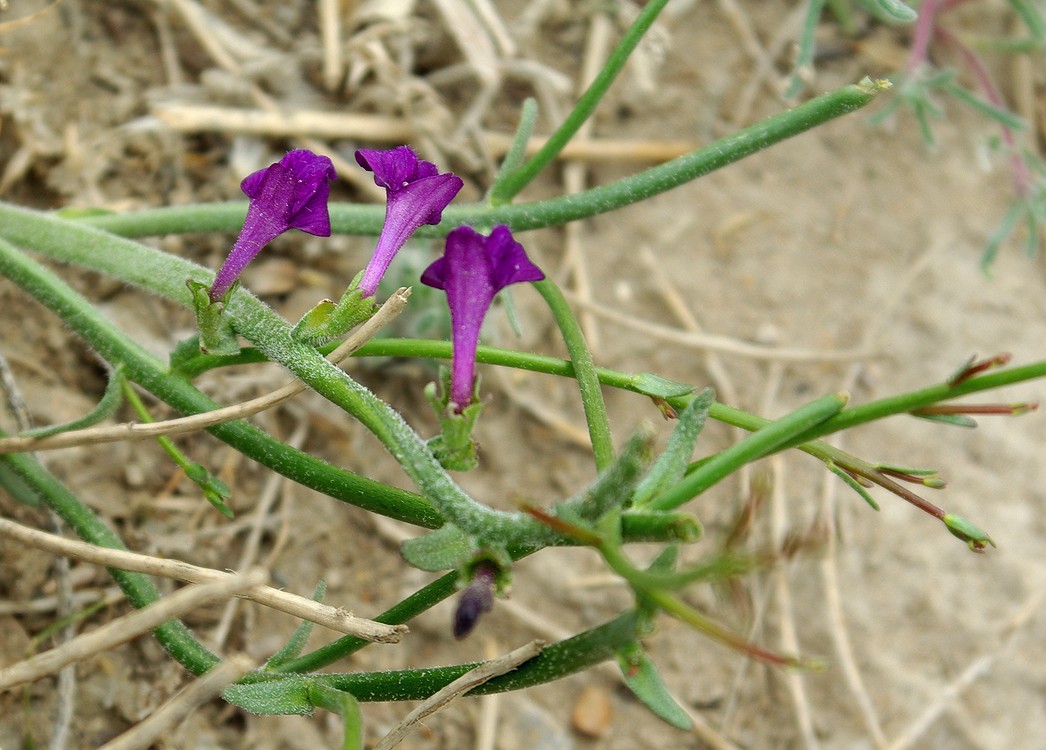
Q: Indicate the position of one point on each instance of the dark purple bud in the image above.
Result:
(473, 269)
(416, 193)
(476, 599)
(290, 194)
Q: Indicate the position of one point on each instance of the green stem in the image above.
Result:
(514, 182)
(406, 610)
(259, 324)
(585, 372)
(368, 220)
(143, 368)
(760, 443)
(919, 399)
(553, 663)
(139, 265)
(152, 269)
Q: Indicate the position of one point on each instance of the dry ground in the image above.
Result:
(848, 238)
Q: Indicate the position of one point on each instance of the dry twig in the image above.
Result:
(191, 697)
(128, 627)
(292, 604)
(722, 344)
(195, 118)
(440, 700)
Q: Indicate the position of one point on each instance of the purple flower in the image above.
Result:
(416, 193)
(290, 194)
(473, 269)
(476, 599)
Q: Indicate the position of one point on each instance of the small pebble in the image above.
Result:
(592, 712)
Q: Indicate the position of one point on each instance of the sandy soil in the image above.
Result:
(850, 238)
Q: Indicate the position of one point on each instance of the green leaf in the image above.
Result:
(646, 684)
(300, 638)
(1032, 17)
(854, 485)
(280, 696)
(960, 527)
(672, 464)
(646, 610)
(656, 386)
(446, 548)
(955, 420)
(215, 491)
(767, 439)
(346, 706)
(999, 114)
(517, 152)
(890, 10)
(107, 406)
(615, 486)
(216, 333)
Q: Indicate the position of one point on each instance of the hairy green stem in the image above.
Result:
(368, 220)
(143, 368)
(554, 662)
(111, 254)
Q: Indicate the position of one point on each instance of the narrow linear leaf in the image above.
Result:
(442, 549)
(955, 420)
(111, 399)
(301, 635)
(646, 684)
(890, 10)
(656, 386)
(764, 441)
(854, 485)
(1032, 18)
(672, 464)
(282, 696)
(615, 485)
(517, 152)
(346, 706)
(1000, 115)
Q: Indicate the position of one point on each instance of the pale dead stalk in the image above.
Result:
(441, 699)
(721, 344)
(199, 23)
(195, 118)
(575, 175)
(829, 565)
(140, 431)
(763, 62)
(330, 37)
(976, 669)
(789, 638)
(292, 604)
(128, 627)
(46, 604)
(195, 694)
(487, 724)
(249, 555)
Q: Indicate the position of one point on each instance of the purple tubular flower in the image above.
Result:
(290, 194)
(476, 600)
(416, 194)
(473, 269)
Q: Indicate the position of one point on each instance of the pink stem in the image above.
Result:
(1021, 174)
